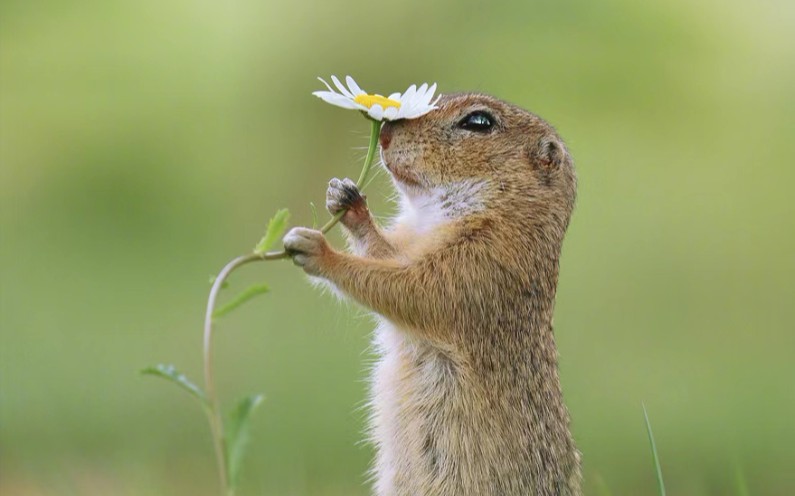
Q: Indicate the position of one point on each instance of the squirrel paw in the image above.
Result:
(306, 247)
(344, 195)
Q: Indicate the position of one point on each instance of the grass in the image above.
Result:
(655, 456)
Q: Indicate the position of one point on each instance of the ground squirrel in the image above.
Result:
(466, 398)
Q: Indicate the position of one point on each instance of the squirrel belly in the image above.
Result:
(433, 437)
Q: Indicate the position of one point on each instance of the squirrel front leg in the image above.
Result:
(423, 295)
(364, 236)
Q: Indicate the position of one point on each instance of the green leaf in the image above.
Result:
(245, 295)
(276, 227)
(170, 373)
(237, 435)
(655, 456)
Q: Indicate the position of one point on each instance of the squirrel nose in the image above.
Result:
(386, 134)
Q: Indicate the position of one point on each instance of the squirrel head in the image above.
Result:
(477, 138)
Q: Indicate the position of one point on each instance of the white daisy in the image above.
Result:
(415, 102)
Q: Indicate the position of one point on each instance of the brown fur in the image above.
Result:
(466, 398)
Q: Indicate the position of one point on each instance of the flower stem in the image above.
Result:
(375, 131)
(214, 405)
(214, 410)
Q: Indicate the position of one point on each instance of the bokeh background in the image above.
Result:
(143, 144)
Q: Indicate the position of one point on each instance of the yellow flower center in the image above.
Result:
(370, 100)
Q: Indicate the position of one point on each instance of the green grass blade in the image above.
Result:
(237, 435)
(742, 484)
(276, 227)
(170, 373)
(601, 486)
(655, 456)
(245, 295)
(314, 214)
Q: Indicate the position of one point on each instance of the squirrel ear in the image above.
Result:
(549, 153)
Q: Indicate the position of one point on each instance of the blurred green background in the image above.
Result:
(146, 143)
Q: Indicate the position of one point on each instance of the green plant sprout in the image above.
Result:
(655, 456)
(230, 437)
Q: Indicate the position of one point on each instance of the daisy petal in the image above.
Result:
(390, 113)
(431, 91)
(336, 99)
(421, 91)
(327, 85)
(325, 95)
(426, 96)
(376, 112)
(353, 86)
(409, 94)
(340, 87)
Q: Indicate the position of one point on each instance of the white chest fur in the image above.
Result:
(423, 210)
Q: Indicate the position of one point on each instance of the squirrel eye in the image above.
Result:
(478, 121)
